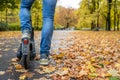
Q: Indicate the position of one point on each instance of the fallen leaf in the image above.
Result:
(21, 70)
(56, 77)
(63, 71)
(2, 72)
(113, 72)
(92, 59)
(48, 69)
(27, 74)
(14, 59)
(18, 66)
(93, 74)
(58, 56)
(23, 77)
(91, 67)
(108, 75)
(107, 62)
(96, 66)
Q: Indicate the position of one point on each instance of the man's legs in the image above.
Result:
(47, 29)
(25, 17)
(25, 21)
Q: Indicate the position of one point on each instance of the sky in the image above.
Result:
(69, 3)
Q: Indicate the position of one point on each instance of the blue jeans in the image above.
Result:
(48, 21)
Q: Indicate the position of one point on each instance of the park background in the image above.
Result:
(88, 15)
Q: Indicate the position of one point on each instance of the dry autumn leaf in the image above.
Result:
(18, 66)
(56, 77)
(14, 59)
(113, 72)
(2, 72)
(48, 69)
(63, 71)
(27, 75)
(23, 77)
(58, 56)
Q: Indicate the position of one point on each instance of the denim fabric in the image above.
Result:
(48, 20)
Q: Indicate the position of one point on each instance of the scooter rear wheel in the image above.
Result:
(26, 61)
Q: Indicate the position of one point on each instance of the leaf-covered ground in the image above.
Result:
(75, 55)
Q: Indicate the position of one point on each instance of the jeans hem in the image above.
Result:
(44, 52)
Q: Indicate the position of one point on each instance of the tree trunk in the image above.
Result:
(37, 22)
(6, 17)
(98, 17)
(115, 11)
(109, 13)
(67, 25)
(118, 21)
(93, 25)
(106, 23)
(1, 16)
(94, 7)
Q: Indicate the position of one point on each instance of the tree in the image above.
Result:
(9, 4)
(65, 17)
(96, 14)
(115, 12)
(109, 15)
(1, 8)
(4, 6)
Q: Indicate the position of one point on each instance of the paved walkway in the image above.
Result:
(8, 48)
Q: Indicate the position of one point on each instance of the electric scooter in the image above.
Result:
(27, 50)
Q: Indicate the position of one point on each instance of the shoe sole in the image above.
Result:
(44, 62)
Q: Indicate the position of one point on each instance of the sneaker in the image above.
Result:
(26, 34)
(44, 59)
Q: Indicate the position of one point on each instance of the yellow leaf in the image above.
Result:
(93, 74)
(96, 66)
(18, 66)
(90, 67)
(23, 77)
(107, 62)
(117, 65)
(92, 59)
(59, 56)
(108, 75)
